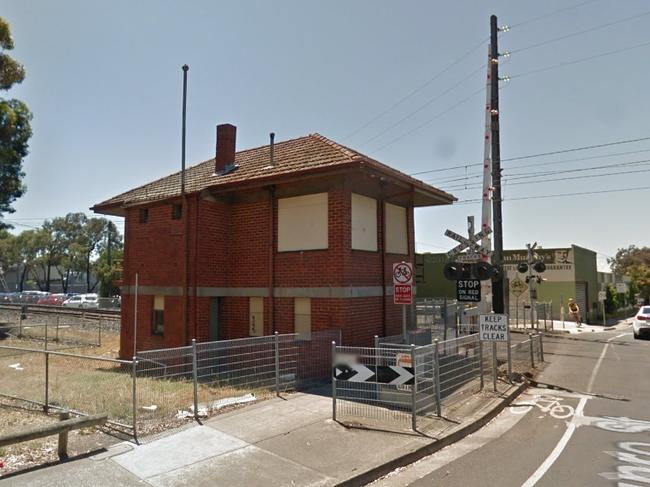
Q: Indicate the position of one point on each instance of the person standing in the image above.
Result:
(574, 309)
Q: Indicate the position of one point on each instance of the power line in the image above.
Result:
(422, 107)
(550, 14)
(540, 154)
(416, 90)
(588, 176)
(424, 124)
(575, 34)
(558, 195)
(579, 60)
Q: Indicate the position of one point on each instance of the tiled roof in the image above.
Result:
(290, 158)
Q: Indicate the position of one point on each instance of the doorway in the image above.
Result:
(214, 329)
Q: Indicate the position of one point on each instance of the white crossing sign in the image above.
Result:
(621, 287)
(493, 328)
(470, 243)
(380, 374)
(602, 295)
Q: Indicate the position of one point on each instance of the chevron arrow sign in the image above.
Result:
(382, 374)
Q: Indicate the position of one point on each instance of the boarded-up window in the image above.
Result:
(364, 223)
(302, 222)
(396, 230)
(158, 318)
(256, 317)
(302, 322)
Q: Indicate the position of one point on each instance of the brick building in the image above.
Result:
(297, 236)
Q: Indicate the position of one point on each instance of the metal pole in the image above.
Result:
(56, 337)
(99, 334)
(277, 363)
(436, 360)
(444, 315)
(195, 380)
(135, 317)
(604, 319)
(498, 291)
(46, 324)
(480, 361)
(20, 322)
(135, 399)
(47, 382)
(494, 365)
(509, 353)
(517, 311)
(404, 323)
(541, 347)
(333, 382)
(414, 392)
(532, 351)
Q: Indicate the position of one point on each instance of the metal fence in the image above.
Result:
(539, 317)
(57, 329)
(163, 389)
(444, 374)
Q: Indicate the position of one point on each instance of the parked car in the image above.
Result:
(32, 297)
(641, 322)
(52, 299)
(84, 301)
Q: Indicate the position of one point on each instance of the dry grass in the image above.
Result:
(93, 386)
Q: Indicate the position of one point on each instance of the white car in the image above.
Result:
(641, 322)
(85, 301)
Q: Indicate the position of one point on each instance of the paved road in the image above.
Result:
(560, 434)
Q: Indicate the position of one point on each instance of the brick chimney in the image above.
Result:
(224, 160)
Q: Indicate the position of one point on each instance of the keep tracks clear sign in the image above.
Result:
(494, 328)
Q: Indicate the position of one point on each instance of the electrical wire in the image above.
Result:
(425, 105)
(579, 33)
(416, 90)
(427, 122)
(587, 176)
(540, 154)
(558, 195)
(550, 14)
(579, 60)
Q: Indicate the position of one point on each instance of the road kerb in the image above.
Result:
(458, 434)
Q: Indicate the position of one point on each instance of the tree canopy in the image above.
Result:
(634, 262)
(15, 129)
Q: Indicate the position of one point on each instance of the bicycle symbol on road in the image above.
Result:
(546, 404)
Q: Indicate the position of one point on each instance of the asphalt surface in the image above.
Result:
(587, 422)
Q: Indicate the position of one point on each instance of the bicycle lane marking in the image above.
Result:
(571, 426)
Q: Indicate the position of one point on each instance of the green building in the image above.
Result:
(570, 273)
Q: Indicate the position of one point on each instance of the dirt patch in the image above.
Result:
(15, 416)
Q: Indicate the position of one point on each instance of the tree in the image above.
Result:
(611, 299)
(634, 261)
(15, 129)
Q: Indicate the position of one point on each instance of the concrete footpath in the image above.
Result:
(282, 441)
(570, 327)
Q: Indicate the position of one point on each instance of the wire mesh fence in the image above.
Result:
(56, 330)
(444, 374)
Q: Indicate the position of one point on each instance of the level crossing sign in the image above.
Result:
(403, 283)
(471, 242)
(517, 287)
(493, 328)
(468, 290)
(379, 374)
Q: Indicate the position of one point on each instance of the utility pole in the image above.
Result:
(532, 285)
(185, 213)
(498, 291)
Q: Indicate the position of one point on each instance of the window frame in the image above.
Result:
(143, 215)
(158, 316)
(302, 335)
(177, 211)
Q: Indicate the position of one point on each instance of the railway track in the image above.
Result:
(59, 310)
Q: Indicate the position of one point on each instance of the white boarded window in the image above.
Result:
(256, 317)
(302, 222)
(302, 318)
(396, 230)
(364, 223)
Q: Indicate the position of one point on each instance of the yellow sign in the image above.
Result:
(517, 286)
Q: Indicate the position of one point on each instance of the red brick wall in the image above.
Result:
(232, 250)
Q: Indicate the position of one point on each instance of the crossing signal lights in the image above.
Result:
(539, 267)
(522, 267)
(456, 271)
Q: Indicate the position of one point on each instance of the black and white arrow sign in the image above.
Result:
(382, 374)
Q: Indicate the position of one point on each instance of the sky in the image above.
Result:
(400, 81)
